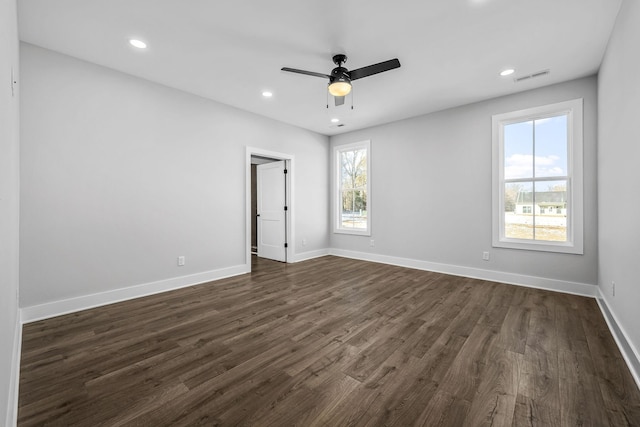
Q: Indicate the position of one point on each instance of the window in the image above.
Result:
(353, 201)
(537, 178)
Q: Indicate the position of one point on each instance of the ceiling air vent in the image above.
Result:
(531, 76)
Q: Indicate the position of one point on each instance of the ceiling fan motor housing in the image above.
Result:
(340, 74)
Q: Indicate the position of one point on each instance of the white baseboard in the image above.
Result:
(630, 354)
(12, 406)
(304, 256)
(57, 308)
(575, 288)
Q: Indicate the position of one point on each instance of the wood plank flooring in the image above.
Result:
(331, 342)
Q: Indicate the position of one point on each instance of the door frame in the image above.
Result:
(289, 214)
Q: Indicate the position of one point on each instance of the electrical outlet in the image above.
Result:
(304, 242)
(181, 261)
(485, 256)
(613, 289)
(372, 243)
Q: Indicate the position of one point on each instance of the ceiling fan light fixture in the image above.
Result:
(340, 87)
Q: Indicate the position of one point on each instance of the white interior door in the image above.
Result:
(271, 195)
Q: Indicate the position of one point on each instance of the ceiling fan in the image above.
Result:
(340, 78)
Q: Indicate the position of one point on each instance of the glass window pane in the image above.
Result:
(540, 178)
(551, 211)
(518, 150)
(518, 214)
(354, 209)
(353, 171)
(551, 146)
(352, 175)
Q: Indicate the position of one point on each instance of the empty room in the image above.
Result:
(319, 213)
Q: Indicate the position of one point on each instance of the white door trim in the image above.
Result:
(253, 151)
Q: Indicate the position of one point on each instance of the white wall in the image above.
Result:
(120, 176)
(619, 173)
(9, 193)
(431, 192)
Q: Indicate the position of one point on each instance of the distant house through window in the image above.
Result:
(537, 178)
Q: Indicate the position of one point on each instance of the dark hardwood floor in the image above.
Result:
(332, 342)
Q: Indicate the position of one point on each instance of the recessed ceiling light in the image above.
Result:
(335, 120)
(507, 72)
(267, 94)
(138, 43)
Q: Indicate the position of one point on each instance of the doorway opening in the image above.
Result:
(269, 205)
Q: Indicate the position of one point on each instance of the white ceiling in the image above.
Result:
(230, 51)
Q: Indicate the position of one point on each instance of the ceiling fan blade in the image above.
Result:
(339, 100)
(308, 73)
(374, 69)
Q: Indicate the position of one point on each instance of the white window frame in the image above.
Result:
(575, 221)
(337, 222)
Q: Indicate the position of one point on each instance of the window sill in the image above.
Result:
(565, 248)
(353, 232)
